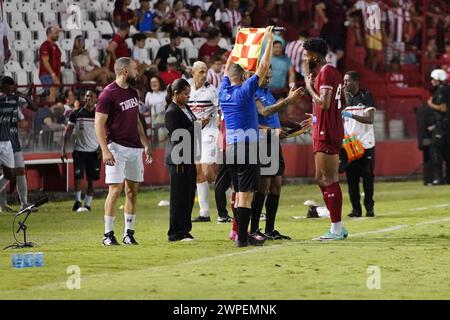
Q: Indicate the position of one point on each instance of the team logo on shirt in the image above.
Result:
(129, 104)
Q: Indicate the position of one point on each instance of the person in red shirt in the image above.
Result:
(210, 47)
(327, 129)
(50, 62)
(118, 48)
(122, 13)
(171, 74)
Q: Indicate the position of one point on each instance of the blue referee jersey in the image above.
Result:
(266, 98)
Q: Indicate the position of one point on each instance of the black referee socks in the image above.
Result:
(257, 205)
(243, 219)
(271, 211)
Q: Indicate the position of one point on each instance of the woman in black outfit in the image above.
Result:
(180, 163)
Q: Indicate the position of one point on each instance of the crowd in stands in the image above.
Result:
(167, 36)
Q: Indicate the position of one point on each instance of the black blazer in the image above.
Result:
(175, 118)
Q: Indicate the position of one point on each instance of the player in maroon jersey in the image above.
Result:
(328, 132)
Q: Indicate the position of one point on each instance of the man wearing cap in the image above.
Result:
(50, 62)
(440, 131)
(171, 73)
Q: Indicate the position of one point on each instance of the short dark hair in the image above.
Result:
(123, 25)
(354, 75)
(277, 42)
(213, 33)
(236, 70)
(138, 37)
(174, 35)
(7, 81)
(316, 45)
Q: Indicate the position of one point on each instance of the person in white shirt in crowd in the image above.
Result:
(294, 51)
(231, 18)
(358, 121)
(155, 106)
(5, 53)
(204, 103)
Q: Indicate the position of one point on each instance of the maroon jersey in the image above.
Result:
(328, 128)
(122, 108)
(50, 49)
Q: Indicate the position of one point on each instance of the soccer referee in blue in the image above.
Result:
(236, 96)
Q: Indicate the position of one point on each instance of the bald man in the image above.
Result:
(204, 103)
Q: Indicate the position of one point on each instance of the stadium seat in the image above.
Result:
(42, 7)
(108, 6)
(9, 7)
(29, 55)
(93, 34)
(18, 26)
(25, 6)
(59, 6)
(34, 44)
(74, 33)
(20, 45)
(21, 80)
(164, 41)
(32, 16)
(94, 6)
(223, 43)
(11, 36)
(36, 25)
(153, 45)
(29, 66)
(37, 82)
(101, 44)
(16, 16)
(88, 43)
(129, 43)
(25, 35)
(191, 54)
(198, 42)
(104, 27)
(87, 26)
(12, 66)
(68, 76)
(50, 18)
(185, 43)
(67, 44)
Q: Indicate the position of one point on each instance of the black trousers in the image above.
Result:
(182, 195)
(361, 168)
(440, 153)
(223, 182)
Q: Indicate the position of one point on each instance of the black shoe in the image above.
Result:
(88, 207)
(370, 213)
(76, 206)
(355, 214)
(312, 212)
(241, 244)
(187, 237)
(201, 219)
(258, 235)
(275, 235)
(255, 240)
(110, 239)
(224, 219)
(129, 238)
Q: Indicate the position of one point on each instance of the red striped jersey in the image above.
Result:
(214, 78)
(294, 50)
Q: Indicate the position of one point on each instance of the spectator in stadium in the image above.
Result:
(47, 122)
(147, 20)
(204, 103)
(358, 117)
(71, 102)
(236, 98)
(122, 140)
(50, 62)
(446, 58)
(171, 73)
(162, 10)
(210, 47)
(170, 50)
(396, 77)
(155, 101)
(86, 152)
(333, 13)
(270, 183)
(282, 69)
(231, 18)
(215, 71)
(122, 14)
(85, 68)
(294, 51)
(196, 3)
(182, 170)
(177, 19)
(5, 53)
(140, 53)
(199, 23)
(246, 21)
(118, 48)
(440, 135)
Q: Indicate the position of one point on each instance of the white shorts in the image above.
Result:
(18, 160)
(6, 154)
(128, 164)
(210, 149)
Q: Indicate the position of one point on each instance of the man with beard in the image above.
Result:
(328, 130)
(50, 62)
(121, 137)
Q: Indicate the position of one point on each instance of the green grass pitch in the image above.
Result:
(407, 244)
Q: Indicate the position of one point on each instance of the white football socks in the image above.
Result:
(109, 223)
(336, 227)
(203, 198)
(129, 222)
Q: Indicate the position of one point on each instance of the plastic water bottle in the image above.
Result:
(38, 259)
(28, 260)
(17, 260)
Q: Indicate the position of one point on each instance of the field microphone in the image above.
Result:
(38, 203)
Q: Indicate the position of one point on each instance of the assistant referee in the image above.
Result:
(236, 96)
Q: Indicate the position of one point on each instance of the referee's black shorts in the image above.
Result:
(88, 162)
(242, 164)
(276, 165)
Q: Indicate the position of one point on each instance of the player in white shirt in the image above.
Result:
(204, 103)
(358, 121)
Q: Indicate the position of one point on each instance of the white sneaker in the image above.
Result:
(82, 209)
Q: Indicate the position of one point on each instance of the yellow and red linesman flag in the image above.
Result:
(247, 48)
